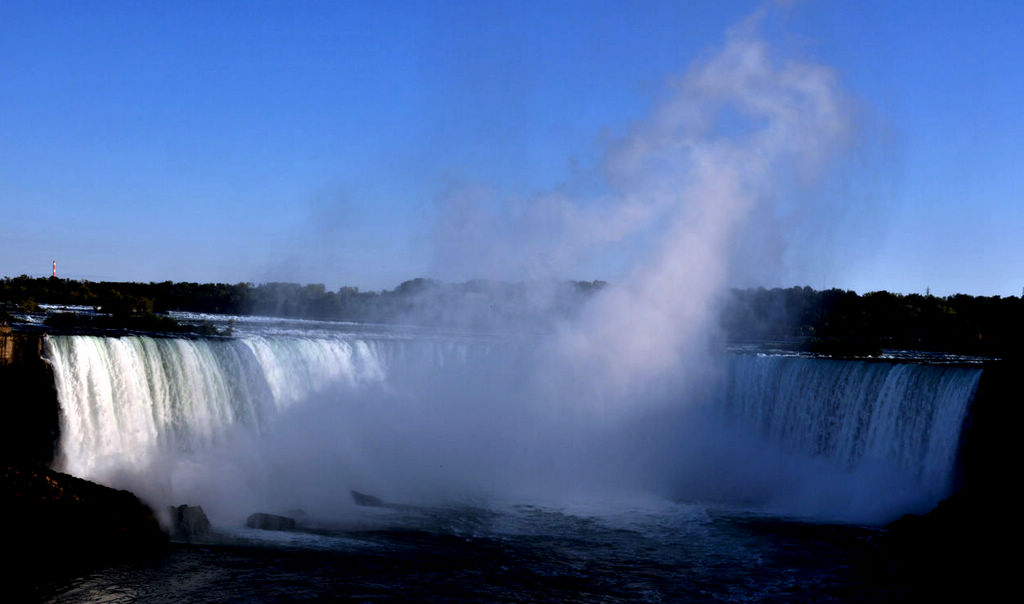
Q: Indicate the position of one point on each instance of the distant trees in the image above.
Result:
(115, 303)
(837, 319)
(416, 300)
(832, 320)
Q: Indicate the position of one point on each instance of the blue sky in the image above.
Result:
(324, 141)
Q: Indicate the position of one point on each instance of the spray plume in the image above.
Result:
(737, 132)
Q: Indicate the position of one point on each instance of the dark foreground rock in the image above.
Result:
(270, 522)
(966, 547)
(57, 524)
(955, 551)
(68, 514)
(31, 426)
(188, 522)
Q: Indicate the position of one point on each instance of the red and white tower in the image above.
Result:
(54, 268)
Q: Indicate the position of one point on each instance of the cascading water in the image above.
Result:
(851, 411)
(843, 439)
(875, 438)
(126, 400)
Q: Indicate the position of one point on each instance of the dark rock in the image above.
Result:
(55, 524)
(31, 426)
(270, 522)
(188, 522)
(366, 500)
(958, 550)
(989, 442)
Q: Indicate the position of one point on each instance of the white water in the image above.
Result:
(125, 401)
(853, 411)
(879, 437)
(246, 424)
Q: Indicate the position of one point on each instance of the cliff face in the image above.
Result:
(19, 347)
(28, 400)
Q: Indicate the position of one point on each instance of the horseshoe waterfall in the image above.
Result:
(296, 420)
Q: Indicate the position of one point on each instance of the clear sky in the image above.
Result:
(327, 141)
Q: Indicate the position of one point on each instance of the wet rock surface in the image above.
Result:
(188, 522)
(58, 524)
(270, 522)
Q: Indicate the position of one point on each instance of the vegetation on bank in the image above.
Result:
(112, 310)
(831, 321)
(416, 300)
(837, 321)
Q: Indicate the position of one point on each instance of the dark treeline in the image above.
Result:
(417, 300)
(838, 320)
(829, 321)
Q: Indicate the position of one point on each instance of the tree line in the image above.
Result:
(830, 320)
(836, 319)
(416, 300)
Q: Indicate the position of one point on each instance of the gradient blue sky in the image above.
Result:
(317, 141)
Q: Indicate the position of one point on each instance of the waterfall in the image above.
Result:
(859, 417)
(124, 400)
(307, 417)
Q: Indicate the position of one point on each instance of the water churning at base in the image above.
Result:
(850, 439)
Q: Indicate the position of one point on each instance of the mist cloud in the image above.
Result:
(741, 135)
